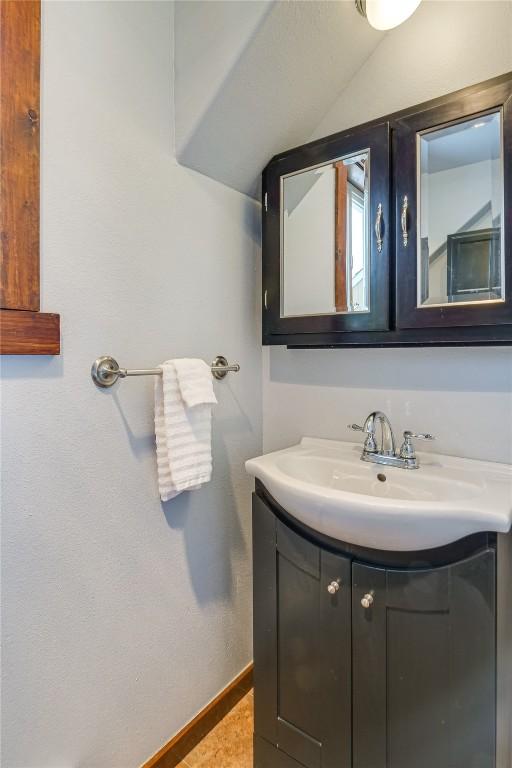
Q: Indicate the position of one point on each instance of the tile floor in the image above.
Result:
(229, 744)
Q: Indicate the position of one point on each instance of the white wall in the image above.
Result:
(464, 396)
(449, 199)
(454, 196)
(309, 247)
(445, 45)
(253, 78)
(122, 617)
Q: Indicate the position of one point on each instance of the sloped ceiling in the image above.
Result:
(255, 78)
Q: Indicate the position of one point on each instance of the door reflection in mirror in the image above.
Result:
(460, 193)
(325, 242)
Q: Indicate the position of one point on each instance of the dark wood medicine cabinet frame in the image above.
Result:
(485, 324)
(24, 330)
(376, 139)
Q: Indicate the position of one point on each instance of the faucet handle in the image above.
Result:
(407, 450)
(370, 446)
(418, 435)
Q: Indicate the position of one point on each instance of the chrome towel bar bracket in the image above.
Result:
(105, 370)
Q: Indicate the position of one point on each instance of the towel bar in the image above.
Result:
(105, 370)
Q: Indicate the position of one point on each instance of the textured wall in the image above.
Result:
(122, 617)
(464, 396)
(445, 45)
(274, 68)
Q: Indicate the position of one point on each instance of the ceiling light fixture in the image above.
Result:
(386, 14)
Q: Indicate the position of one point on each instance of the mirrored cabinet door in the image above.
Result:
(327, 236)
(453, 198)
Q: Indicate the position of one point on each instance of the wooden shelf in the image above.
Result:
(29, 333)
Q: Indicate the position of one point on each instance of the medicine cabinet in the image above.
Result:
(397, 232)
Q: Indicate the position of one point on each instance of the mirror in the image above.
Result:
(325, 242)
(460, 193)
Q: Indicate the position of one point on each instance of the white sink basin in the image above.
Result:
(324, 484)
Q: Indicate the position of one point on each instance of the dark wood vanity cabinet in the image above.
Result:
(424, 665)
(302, 647)
(397, 232)
(370, 665)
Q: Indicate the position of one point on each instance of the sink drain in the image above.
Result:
(381, 477)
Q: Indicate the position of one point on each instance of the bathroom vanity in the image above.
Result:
(382, 611)
(382, 607)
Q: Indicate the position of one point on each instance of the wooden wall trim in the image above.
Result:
(186, 739)
(23, 331)
(20, 34)
(29, 333)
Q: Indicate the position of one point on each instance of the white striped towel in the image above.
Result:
(183, 425)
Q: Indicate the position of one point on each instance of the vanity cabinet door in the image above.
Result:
(453, 183)
(302, 655)
(424, 666)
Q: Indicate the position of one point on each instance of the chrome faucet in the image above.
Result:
(386, 453)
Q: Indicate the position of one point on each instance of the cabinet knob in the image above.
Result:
(333, 587)
(367, 600)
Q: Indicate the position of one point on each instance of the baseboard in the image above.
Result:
(192, 733)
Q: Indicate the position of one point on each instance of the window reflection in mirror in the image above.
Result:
(325, 238)
(460, 193)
